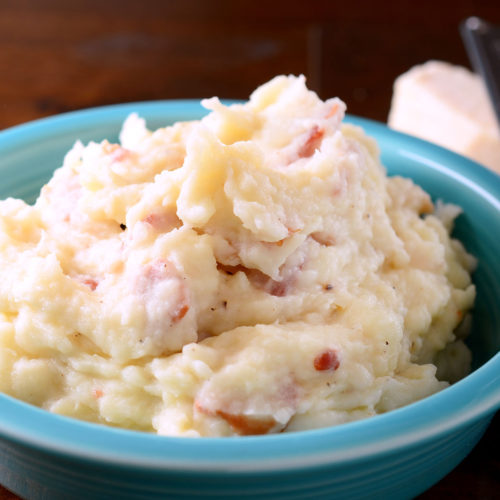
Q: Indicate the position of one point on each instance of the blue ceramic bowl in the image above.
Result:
(396, 455)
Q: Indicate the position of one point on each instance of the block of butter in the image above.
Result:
(447, 105)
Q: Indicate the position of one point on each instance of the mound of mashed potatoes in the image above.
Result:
(249, 273)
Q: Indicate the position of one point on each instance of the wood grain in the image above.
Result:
(58, 56)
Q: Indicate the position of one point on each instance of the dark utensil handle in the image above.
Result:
(482, 42)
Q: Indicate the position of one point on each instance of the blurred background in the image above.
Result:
(58, 56)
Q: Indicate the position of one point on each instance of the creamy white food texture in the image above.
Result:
(252, 272)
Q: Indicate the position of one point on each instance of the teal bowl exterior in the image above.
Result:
(396, 455)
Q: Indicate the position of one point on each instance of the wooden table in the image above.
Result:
(58, 56)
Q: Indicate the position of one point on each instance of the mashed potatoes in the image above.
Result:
(249, 273)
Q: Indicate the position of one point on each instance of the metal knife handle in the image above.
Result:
(482, 42)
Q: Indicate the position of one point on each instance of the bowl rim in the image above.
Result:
(424, 420)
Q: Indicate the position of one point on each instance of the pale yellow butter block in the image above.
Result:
(447, 105)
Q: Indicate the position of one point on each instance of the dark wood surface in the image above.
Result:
(57, 56)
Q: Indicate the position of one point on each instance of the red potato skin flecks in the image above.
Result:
(97, 393)
(333, 110)
(91, 283)
(157, 271)
(117, 153)
(312, 142)
(323, 238)
(163, 222)
(250, 424)
(180, 312)
(260, 280)
(314, 137)
(121, 154)
(327, 360)
(246, 425)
